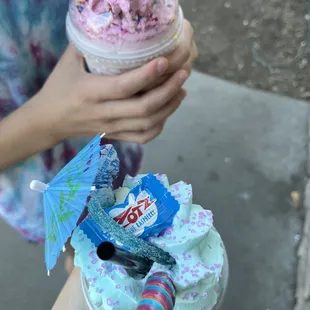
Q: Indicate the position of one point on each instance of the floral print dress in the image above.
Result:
(32, 38)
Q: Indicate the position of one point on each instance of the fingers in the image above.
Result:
(125, 85)
(194, 54)
(182, 54)
(157, 98)
(144, 124)
(182, 58)
(73, 58)
(189, 64)
(163, 79)
(138, 137)
(142, 130)
(69, 68)
(145, 105)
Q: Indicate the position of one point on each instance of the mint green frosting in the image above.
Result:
(191, 240)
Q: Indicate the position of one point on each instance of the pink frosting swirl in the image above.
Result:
(116, 21)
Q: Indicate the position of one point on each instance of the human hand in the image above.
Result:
(182, 58)
(71, 296)
(74, 102)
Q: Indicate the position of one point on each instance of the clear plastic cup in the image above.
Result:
(221, 287)
(113, 58)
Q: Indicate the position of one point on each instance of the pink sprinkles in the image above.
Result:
(191, 271)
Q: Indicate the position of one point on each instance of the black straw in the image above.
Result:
(135, 266)
(106, 250)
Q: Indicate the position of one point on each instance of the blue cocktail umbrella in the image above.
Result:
(65, 198)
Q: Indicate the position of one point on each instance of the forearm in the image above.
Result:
(24, 133)
(71, 296)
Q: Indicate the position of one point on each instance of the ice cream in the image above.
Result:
(116, 36)
(191, 240)
(116, 21)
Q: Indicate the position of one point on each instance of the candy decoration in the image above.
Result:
(80, 5)
(158, 293)
(137, 246)
(148, 209)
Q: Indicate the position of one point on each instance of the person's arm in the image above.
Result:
(75, 103)
(71, 296)
(24, 133)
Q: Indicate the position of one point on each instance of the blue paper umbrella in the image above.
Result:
(65, 197)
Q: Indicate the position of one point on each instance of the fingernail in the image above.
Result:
(162, 66)
(183, 76)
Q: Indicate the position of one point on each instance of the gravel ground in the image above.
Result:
(263, 44)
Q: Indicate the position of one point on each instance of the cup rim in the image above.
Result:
(131, 53)
(85, 294)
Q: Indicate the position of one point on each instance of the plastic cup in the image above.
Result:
(221, 287)
(112, 59)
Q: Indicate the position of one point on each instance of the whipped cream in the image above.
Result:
(192, 240)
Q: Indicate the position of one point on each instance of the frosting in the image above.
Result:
(191, 240)
(115, 21)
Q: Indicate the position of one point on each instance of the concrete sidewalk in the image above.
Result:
(244, 153)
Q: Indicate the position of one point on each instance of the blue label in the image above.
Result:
(148, 209)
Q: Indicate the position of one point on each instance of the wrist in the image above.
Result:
(25, 132)
(42, 119)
